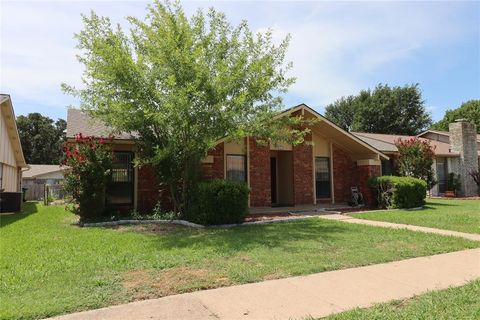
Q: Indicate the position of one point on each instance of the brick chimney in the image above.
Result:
(463, 140)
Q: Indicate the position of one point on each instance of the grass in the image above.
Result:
(50, 266)
(456, 215)
(454, 303)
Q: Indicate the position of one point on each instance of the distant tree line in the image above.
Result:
(385, 109)
(42, 138)
(469, 110)
(394, 110)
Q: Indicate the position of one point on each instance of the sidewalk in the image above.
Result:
(316, 295)
(349, 219)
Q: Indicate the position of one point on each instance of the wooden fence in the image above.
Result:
(39, 190)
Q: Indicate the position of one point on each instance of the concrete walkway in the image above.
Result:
(349, 219)
(316, 295)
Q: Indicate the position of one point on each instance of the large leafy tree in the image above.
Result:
(469, 110)
(42, 138)
(385, 109)
(183, 83)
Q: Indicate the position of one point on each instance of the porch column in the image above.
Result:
(366, 169)
(303, 172)
(259, 174)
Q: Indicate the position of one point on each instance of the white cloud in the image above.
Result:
(336, 51)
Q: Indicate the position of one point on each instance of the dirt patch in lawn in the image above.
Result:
(143, 284)
(275, 275)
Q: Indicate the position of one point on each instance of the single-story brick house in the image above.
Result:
(456, 150)
(320, 171)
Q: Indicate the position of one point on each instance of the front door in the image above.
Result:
(273, 179)
(322, 177)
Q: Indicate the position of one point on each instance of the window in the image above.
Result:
(120, 188)
(236, 167)
(442, 174)
(322, 177)
(387, 167)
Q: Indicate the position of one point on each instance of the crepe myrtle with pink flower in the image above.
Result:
(90, 162)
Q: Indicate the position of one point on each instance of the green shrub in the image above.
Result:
(399, 192)
(218, 202)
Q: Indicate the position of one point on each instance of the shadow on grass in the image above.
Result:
(436, 205)
(283, 235)
(28, 208)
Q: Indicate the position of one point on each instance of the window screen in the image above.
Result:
(236, 167)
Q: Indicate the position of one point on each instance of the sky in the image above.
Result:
(337, 48)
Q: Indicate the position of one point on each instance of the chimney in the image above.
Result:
(463, 140)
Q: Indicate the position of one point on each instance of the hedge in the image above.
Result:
(399, 192)
(219, 202)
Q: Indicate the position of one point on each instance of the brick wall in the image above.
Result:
(303, 172)
(215, 170)
(260, 183)
(149, 191)
(363, 174)
(347, 174)
(344, 174)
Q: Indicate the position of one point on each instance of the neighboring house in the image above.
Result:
(456, 151)
(36, 176)
(42, 174)
(319, 171)
(11, 158)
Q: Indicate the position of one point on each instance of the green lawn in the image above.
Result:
(457, 215)
(454, 303)
(49, 266)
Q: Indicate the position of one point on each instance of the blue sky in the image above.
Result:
(337, 48)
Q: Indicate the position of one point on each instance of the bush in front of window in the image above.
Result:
(219, 202)
(89, 162)
(399, 192)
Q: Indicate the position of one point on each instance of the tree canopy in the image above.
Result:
(469, 110)
(385, 109)
(42, 138)
(182, 84)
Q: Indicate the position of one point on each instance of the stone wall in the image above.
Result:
(463, 140)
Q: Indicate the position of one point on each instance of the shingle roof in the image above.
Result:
(80, 122)
(40, 169)
(445, 133)
(386, 142)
